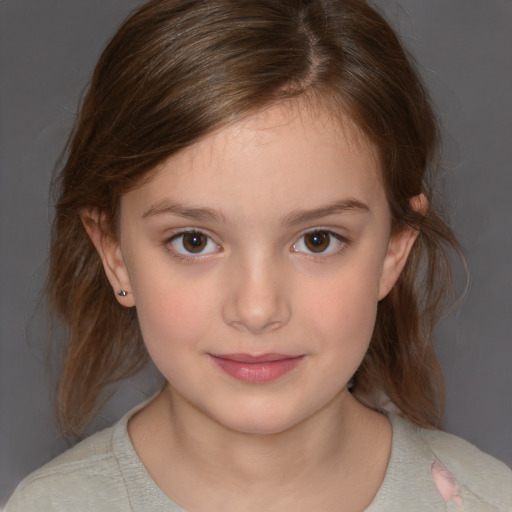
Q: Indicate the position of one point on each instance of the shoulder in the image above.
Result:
(80, 479)
(460, 472)
(473, 469)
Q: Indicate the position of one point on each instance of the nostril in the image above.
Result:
(255, 328)
(255, 300)
(254, 318)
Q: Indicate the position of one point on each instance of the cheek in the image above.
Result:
(173, 313)
(175, 322)
(344, 307)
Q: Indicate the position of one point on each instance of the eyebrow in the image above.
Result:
(200, 214)
(294, 217)
(337, 207)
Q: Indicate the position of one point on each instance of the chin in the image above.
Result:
(258, 421)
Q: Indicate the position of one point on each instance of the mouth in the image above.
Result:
(256, 369)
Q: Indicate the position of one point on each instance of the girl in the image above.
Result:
(247, 199)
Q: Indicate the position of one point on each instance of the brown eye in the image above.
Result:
(194, 242)
(317, 241)
(321, 242)
(189, 243)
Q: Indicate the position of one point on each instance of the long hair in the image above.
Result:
(178, 69)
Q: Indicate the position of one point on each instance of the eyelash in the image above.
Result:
(343, 241)
(184, 257)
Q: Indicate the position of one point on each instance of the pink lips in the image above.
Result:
(256, 369)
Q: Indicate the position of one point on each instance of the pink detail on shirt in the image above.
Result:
(445, 483)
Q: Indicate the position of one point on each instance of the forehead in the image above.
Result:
(300, 123)
(285, 156)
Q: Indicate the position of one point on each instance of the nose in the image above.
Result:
(256, 300)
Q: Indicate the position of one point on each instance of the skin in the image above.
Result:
(301, 442)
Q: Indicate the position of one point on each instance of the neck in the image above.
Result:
(261, 457)
(170, 435)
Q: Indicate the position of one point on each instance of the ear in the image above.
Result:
(109, 249)
(399, 247)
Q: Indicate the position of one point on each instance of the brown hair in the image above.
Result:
(178, 69)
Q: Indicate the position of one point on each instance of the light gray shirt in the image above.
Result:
(428, 470)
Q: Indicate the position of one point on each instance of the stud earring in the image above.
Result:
(122, 293)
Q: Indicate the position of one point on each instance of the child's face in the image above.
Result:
(288, 256)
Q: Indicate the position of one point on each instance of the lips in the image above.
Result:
(256, 369)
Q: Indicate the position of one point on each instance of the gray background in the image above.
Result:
(48, 49)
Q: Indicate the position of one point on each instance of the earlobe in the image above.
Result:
(109, 250)
(399, 248)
